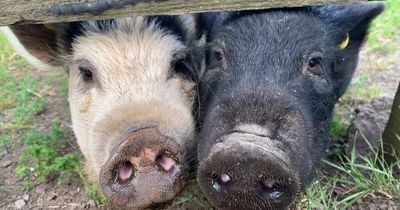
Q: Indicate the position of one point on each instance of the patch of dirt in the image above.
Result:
(49, 195)
(376, 202)
(383, 69)
(367, 126)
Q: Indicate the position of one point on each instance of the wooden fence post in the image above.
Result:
(391, 134)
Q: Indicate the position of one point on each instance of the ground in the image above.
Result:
(40, 162)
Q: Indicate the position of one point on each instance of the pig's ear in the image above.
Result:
(40, 41)
(210, 21)
(350, 21)
(349, 25)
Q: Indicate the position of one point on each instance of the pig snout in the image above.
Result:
(246, 171)
(145, 169)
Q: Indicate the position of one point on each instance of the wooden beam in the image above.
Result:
(40, 11)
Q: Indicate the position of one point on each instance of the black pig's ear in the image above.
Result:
(40, 41)
(350, 21)
(208, 22)
(348, 24)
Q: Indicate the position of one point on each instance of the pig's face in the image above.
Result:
(125, 81)
(131, 101)
(268, 92)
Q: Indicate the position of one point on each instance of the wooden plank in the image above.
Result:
(39, 11)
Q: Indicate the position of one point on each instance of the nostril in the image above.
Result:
(225, 178)
(166, 162)
(273, 190)
(125, 171)
(222, 178)
(218, 181)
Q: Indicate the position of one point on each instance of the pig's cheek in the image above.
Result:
(80, 113)
(86, 104)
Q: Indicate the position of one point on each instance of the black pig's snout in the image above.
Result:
(243, 172)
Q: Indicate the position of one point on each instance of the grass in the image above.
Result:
(22, 99)
(356, 177)
(92, 190)
(361, 90)
(44, 154)
(386, 29)
(339, 128)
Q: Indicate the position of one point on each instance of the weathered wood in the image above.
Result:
(37, 11)
(391, 134)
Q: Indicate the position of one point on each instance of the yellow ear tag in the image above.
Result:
(345, 42)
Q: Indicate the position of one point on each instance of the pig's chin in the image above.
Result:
(144, 170)
(248, 171)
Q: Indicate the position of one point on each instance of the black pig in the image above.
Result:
(268, 94)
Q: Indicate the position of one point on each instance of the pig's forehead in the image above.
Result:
(132, 38)
(274, 27)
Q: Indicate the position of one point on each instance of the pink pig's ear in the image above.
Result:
(40, 41)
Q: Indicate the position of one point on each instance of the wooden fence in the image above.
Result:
(48, 11)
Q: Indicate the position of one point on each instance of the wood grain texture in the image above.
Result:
(37, 11)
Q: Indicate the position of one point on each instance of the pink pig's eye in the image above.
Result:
(86, 73)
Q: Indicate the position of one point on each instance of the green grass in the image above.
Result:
(194, 194)
(356, 177)
(361, 91)
(321, 194)
(44, 153)
(339, 127)
(4, 141)
(385, 31)
(23, 98)
(19, 98)
(92, 190)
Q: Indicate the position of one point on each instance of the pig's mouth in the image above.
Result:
(145, 170)
(247, 171)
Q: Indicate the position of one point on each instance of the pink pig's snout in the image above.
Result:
(145, 170)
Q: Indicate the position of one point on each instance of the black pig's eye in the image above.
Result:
(217, 56)
(313, 64)
(86, 73)
(216, 59)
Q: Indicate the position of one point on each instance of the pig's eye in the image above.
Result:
(216, 59)
(218, 56)
(180, 67)
(86, 73)
(313, 64)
